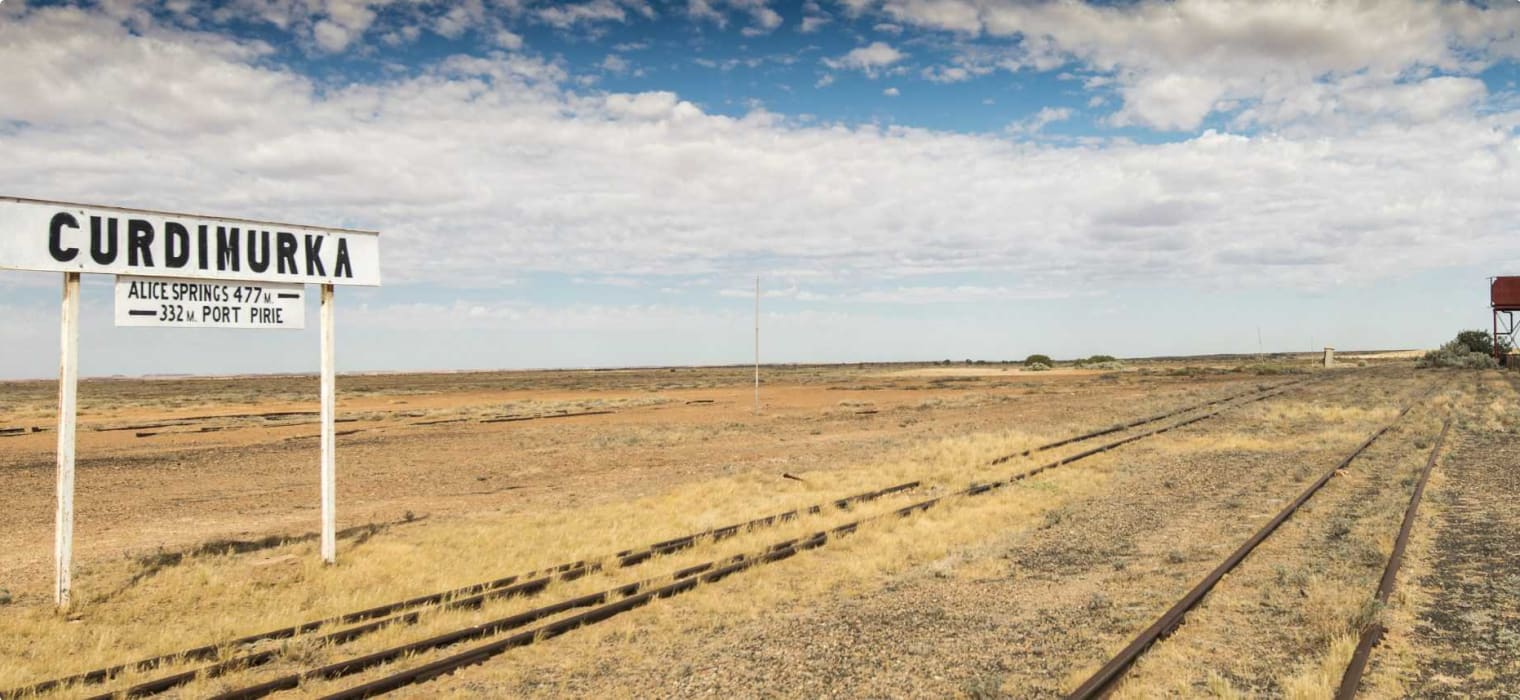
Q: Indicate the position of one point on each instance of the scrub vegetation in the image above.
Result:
(1078, 558)
(1469, 350)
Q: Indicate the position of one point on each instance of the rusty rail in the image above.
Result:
(1143, 421)
(520, 584)
(618, 600)
(1106, 677)
(1352, 680)
(535, 581)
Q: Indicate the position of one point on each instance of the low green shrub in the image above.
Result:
(1457, 354)
(1099, 362)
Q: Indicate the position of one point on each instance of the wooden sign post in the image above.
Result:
(186, 271)
(68, 405)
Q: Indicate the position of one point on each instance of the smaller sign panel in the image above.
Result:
(187, 303)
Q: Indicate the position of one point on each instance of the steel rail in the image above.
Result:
(535, 581)
(525, 588)
(1351, 681)
(1104, 679)
(519, 584)
(1142, 421)
(636, 595)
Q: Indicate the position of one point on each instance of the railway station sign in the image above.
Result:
(184, 270)
(173, 302)
(62, 237)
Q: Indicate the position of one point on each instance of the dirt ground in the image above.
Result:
(1019, 593)
(172, 463)
(1456, 631)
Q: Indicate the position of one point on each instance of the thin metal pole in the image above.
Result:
(68, 393)
(329, 468)
(757, 344)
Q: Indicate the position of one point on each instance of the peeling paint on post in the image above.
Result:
(68, 404)
(329, 445)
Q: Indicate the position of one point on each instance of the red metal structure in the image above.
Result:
(1504, 297)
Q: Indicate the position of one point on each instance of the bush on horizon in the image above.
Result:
(1459, 353)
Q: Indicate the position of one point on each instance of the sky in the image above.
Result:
(599, 183)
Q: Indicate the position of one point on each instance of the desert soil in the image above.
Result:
(1019, 593)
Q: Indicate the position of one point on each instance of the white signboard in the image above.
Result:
(188, 303)
(63, 237)
(191, 271)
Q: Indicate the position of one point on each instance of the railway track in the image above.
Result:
(517, 584)
(615, 600)
(1106, 679)
(609, 603)
(1351, 680)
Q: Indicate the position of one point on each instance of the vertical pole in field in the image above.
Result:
(329, 462)
(68, 393)
(757, 344)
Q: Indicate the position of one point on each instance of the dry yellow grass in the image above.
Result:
(1320, 597)
(1394, 661)
(580, 655)
(218, 597)
(944, 539)
(1317, 678)
(884, 546)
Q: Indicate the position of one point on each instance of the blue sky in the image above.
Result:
(598, 183)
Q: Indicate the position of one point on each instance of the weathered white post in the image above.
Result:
(329, 461)
(185, 271)
(68, 393)
(757, 344)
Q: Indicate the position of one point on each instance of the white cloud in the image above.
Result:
(870, 59)
(331, 37)
(955, 294)
(1176, 62)
(702, 10)
(891, 92)
(812, 23)
(570, 15)
(467, 315)
(766, 18)
(490, 163)
(1038, 121)
(337, 26)
(916, 294)
(459, 19)
(1172, 101)
(614, 63)
(508, 40)
(947, 74)
(763, 19)
(330, 26)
